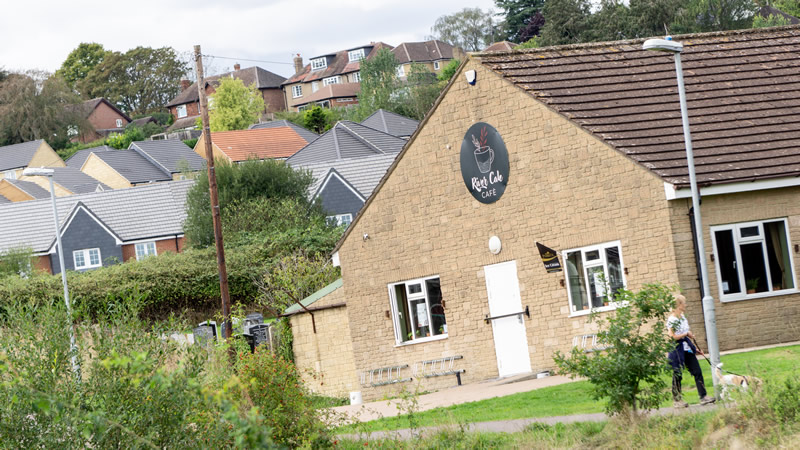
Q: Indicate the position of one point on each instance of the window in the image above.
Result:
(119, 123)
(10, 174)
(752, 259)
(436, 65)
(331, 80)
(341, 219)
(418, 309)
(324, 103)
(356, 77)
(591, 273)
(297, 91)
(319, 63)
(87, 258)
(145, 249)
(355, 55)
(314, 86)
(181, 111)
(400, 71)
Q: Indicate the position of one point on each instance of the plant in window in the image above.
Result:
(752, 285)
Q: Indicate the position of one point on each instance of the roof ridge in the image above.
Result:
(358, 136)
(336, 141)
(383, 119)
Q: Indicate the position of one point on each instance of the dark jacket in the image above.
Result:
(676, 357)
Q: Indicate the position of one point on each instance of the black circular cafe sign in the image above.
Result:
(484, 163)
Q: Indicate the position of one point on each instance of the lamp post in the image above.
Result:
(670, 46)
(32, 172)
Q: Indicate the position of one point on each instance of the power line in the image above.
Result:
(248, 60)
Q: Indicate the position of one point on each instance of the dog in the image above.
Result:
(729, 381)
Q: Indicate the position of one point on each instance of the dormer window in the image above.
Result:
(355, 55)
(319, 63)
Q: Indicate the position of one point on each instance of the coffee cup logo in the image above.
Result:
(484, 155)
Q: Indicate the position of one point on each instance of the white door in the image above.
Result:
(510, 340)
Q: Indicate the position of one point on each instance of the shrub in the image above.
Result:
(190, 142)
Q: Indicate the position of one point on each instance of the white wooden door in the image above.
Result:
(510, 339)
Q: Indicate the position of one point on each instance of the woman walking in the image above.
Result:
(684, 355)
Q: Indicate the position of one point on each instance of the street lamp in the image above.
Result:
(42, 172)
(670, 46)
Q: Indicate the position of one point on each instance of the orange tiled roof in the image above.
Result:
(264, 143)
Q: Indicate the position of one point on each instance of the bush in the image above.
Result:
(123, 141)
(190, 142)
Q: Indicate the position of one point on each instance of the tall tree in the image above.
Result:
(35, 105)
(471, 29)
(378, 82)
(519, 16)
(567, 22)
(715, 15)
(234, 106)
(139, 81)
(80, 62)
(423, 89)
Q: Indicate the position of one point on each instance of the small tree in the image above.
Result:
(378, 82)
(234, 106)
(470, 29)
(631, 371)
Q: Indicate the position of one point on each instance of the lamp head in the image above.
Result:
(662, 45)
(37, 171)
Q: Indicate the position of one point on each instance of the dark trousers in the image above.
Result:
(690, 361)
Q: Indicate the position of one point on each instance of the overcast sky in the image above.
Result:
(39, 34)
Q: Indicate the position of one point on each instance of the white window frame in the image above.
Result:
(331, 80)
(145, 249)
(10, 174)
(737, 241)
(356, 55)
(341, 219)
(324, 104)
(356, 77)
(436, 65)
(400, 71)
(86, 256)
(297, 91)
(412, 297)
(314, 86)
(319, 63)
(180, 111)
(601, 262)
(119, 123)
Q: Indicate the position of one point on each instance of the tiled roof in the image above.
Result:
(743, 94)
(263, 143)
(76, 181)
(308, 135)
(171, 155)
(391, 123)
(78, 158)
(426, 51)
(501, 46)
(347, 140)
(18, 155)
(338, 64)
(142, 121)
(134, 167)
(90, 105)
(184, 122)
(263, 79)
(135, 213)
(30, 188)
(363, 174)
(331, 91)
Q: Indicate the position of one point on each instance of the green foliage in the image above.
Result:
(296, 117)
(15, 261)
(162, 117)
(449, 70)
(421, 91)
(190, 142)
(81, 61)
(518, 15)
(234, 106)
(274, 385)
(566, 22)
(285, 348)
(123, 141)
(378, 82)
(293, 278)
(531, 43)
(791, 7)
(771, 21)
(471, 29)
(630, 372)
(715, 15)
(72, 147)
(316, 120)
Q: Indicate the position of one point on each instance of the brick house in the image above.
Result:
(104, 117)
(433, 54)
(587, 159)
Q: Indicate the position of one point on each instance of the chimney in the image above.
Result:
(298, 63)
(236, 66)
(185, 84)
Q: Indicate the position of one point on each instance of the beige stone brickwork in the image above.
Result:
(45, 156)
(99, 170)
(13, 193)
(325, 358)
(566, 189)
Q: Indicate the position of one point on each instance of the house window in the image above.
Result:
(297, 91)
(753, 259)
(340, 219)
(331, 80)
(145, 249)
(436, 65)
(418, 309)
(324, 103)
(87, 258)
(355, 55)
(119, 123)
(319, 63)
(10, 174)
(400, 71)
(594, 275)
(356, 77)
(181, 111)
(314, 86)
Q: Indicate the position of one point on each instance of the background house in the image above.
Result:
(104, 117)
(278, 142)
(391, 123)
(15, 158)
(433, 54)
(347, 140)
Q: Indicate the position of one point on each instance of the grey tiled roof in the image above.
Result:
(171, 155)
(347, 140)
(76, 181)
(391, 123)
(427, 51)
(4, 200)
(363, 174)
(30, 188)
(79, 157)
(134, 167)
(263, 79)
(18, 155)
(134, 213)
(308, 135)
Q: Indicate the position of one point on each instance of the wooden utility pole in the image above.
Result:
(212, 187)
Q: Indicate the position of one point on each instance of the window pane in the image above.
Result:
(94, 257)
(593, 255)
(597, 285)
(438, 321)
(414, 288)
(614, 271)
(79, 261)
(419, 318)
(749, 232)
(778, 254)
(577, 284)
(755, 271)
(402, 312)
(727, 262)
(151, 248)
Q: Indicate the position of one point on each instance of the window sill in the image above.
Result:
(586, 312)
(422, 340)
(740, 297)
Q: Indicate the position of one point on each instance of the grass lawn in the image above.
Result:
(575, 398)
